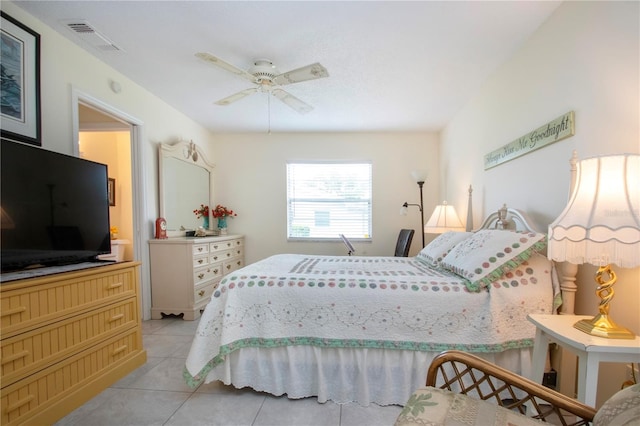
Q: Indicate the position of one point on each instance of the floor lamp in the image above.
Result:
(420, 179)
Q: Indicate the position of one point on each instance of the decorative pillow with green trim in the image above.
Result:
(488, 254)
(440, 246)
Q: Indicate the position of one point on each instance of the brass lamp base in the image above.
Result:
(603, 326)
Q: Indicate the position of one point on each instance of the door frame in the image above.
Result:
(136, 129)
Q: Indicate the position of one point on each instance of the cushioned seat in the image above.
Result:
(463, 389)
(433, 406)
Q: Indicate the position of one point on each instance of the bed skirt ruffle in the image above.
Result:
(342, 375)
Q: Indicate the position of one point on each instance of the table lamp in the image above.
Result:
(444, 218)
(601, 226)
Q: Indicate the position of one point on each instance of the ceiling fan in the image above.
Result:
(268, 80)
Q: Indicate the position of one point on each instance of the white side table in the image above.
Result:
(591, 350)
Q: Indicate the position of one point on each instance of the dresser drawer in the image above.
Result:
(45, 388)
(225, 245)
(200, 249)
(203, 293)
(205, 274)
(200, 261)
(230, 254)
(28, 352)
(25, 307)
(232, 265)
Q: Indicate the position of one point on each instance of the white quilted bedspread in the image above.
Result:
(365, 302)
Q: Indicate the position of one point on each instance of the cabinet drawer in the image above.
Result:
(200, 249)
(208, 273)
(225, 245)
(232, 265)
(24, 308)
(203, 294)
(34, 350)
(200, 261)
(26, 397)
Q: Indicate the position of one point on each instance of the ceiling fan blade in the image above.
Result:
(225, 66)
(310, 72)
(292, 101)
(236, 97)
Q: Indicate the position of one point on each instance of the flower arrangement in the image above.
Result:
(222, 211)
(203, 211)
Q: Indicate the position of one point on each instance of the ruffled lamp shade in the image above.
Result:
(601, 226)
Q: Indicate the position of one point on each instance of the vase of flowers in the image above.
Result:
(203, 212)
(222, 213)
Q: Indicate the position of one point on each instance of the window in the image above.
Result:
(327, 199)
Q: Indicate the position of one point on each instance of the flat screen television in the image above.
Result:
(55, 208)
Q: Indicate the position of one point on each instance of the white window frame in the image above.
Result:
(313, 224)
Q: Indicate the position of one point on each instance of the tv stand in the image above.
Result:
(66, 337)
(42, 270)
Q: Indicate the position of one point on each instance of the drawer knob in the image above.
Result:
(120, 349)
(239, 262)
(200, 249)
(20, 403)
(228, 266)
(200, 275)
(215, 257)
(200, 261)
(215, 271)
(116, 317)
(228, 244)
(18, 310)
(215, 247)
(201, 293)
(17, 355)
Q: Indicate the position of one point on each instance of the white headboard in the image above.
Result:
(508, 219)
(516, 220)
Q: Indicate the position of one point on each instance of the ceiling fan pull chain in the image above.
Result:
(269, 112)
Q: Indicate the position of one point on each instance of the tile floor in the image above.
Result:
(156, 394)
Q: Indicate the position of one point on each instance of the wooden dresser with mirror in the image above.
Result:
(186, 270)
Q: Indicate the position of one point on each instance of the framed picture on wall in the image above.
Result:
(111, 190)
(20, 67)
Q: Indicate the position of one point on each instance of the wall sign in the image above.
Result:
(554, 131)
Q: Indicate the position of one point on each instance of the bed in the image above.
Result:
(365, 329)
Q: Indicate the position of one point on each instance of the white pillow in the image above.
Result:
(441, 245)
(488, 254)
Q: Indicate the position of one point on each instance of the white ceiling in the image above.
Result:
(393, 66)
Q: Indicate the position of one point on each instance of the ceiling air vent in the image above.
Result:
(86, 32)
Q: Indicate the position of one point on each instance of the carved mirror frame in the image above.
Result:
(191, 154)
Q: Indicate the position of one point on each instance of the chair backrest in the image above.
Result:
(404, 242)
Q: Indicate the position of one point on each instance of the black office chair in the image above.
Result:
(404, 242)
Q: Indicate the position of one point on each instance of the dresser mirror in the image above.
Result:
(186, 182)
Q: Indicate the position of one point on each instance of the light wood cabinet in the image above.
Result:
(65, 338)
(185, 271)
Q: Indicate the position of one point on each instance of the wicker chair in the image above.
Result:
(453, 374)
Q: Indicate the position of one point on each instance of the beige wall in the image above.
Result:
(585, 58)
(250, 178)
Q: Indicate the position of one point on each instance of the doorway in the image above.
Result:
(107, 135)
(105, 140)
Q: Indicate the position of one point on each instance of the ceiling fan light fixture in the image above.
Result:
(268, 79)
